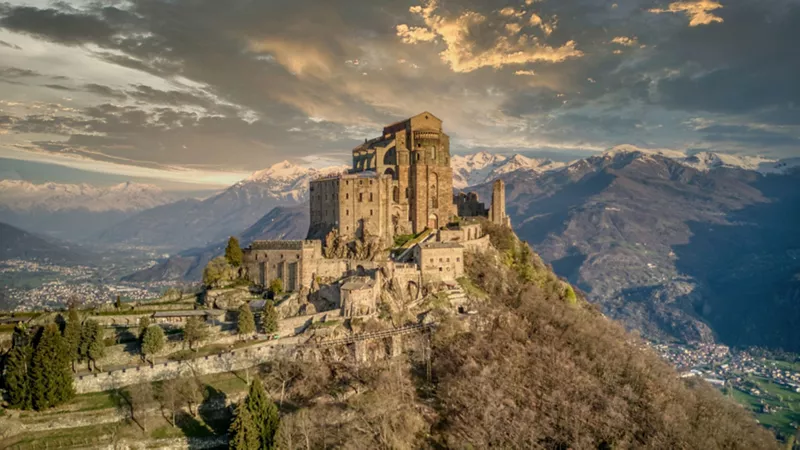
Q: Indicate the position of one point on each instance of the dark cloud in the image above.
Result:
(9, 45)
(59, 87)
(269, 80)
(52, 24)
(105, 91)
(15, 72)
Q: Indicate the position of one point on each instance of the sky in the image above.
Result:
(204, 92)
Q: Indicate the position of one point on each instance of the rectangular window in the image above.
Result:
(458, 259)
(370, 212)
(448, 259)
(347, 196)
(370, 196)
(360, 197)
(346, 212)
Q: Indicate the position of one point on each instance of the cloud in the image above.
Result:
(525, 72)
(626, 41)
(464, 54)
(9, 45)
(699, 11)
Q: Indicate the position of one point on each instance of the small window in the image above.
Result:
(370, 212)
(347, 196)
(360, 182)
(370, 182)
(440, 260)
(431, 259)
(360, 197)
(458, 259)
(440, 269)
(346, 212)
(448, 259)
(370, 196)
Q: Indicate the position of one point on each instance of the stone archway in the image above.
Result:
(433, 221)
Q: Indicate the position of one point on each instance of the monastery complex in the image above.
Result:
(390, 224)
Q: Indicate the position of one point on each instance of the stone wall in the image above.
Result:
(440, 261)
(223, 362)
(290, 261)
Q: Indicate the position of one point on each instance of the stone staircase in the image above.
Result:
(457, 297)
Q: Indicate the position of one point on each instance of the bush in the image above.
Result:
(218, 273)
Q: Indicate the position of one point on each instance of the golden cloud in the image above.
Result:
(299, 58)
(626, 41)
(525, 73)
(698, 11)
(463, 55)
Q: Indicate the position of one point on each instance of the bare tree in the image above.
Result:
(168, 396)
(139, 397)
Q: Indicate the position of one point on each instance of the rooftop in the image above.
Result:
(432, 245)
(281, 245)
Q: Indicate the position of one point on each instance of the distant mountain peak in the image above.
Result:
(23, 195)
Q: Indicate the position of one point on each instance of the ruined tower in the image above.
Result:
(497, 213)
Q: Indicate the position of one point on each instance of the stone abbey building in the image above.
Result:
(401, 183)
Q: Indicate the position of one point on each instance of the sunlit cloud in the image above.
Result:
(463, 54)
(698, 11)
(626, 41)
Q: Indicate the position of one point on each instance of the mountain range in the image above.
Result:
(696, 248)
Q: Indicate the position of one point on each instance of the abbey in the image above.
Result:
(401, 182)
(389, 224)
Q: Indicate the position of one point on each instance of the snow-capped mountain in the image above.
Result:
(25, 196)
(706, 161)
(219, 216)
(478, 168)
(288, 181)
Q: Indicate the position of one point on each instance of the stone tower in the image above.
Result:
(497, 213)
(401, 182)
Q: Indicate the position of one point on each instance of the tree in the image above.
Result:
(233, 253)
(118, 302)
(139, 396)
(276, 287)
(218, 272)
(269, 318)
(194, 331)
(72, 336)
(169, 396)
(264, 412)
(245, 323)
(92, 346)
(570, 296)
(152, 341)
(17, 376)
(144, 323)
(243, 432)
(51, 378)
(189, 392)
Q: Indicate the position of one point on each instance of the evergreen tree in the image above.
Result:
(245, 323)
(50, 370)
(17, 376)
(264, 412)
(243, 432)
(194, 331)
(153, 341)
(118, 302)
(269, 318)
(72, 336)
(144, 323)
(92, 345)
(233, 252)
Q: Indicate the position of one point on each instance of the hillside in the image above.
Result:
(534, 370)
(280, 223)
(19, 244)
(673, 251)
